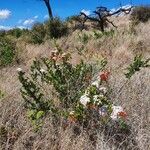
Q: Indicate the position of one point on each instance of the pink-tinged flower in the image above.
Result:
(54, 58)
(104, 75)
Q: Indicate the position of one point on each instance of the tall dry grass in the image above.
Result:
(133, 95)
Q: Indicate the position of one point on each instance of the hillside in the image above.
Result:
(118, 47)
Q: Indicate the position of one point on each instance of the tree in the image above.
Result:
(47, 3)
(101, 15)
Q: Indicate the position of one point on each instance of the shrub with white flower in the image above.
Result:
(73, 88)
(66, 80)
(96, 98)
(118, 113)
(115, 111)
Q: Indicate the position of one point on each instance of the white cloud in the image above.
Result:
(46, 17)
(35, 17)
(9, 27)
(5, 13)
(5, 27)
(28, 22)
(22, 27)
(87, 12)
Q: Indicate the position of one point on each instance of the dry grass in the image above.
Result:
(134, 96)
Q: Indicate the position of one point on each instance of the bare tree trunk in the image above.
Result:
(101, 24)
(47, 3)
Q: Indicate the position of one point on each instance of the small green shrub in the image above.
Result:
(56, 28)
(3, 134)
(7, 52)
(68, 84)
(35, 102)
(1, 94)
(75, 18)
(137, 64)
(98, 34)
(84, 38)
(2, 33)
(36, 118)
(140, 14)
(80, 101)
(37, 33)
(16, 32)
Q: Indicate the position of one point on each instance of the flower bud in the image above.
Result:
(104, 75)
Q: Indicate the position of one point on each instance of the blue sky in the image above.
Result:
(23, 13)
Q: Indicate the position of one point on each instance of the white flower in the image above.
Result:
(115, 111)
(84, 99)
(71, 113)
(42, 70)
(103, 90)
(19, 69)
(103, 111)
(96, 83)
(97, 99)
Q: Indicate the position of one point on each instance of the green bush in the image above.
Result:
(7, 51)
(75, 18)
(83, 38)
(140, 14)
(56, 28)
(68, 82)
(2, 33)
(98, 34)
(37, 33)
(1, 94)
(137, 64)
(16, 32)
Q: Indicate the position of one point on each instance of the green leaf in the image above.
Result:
(40, 114)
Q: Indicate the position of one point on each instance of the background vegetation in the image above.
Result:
(54, 63)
